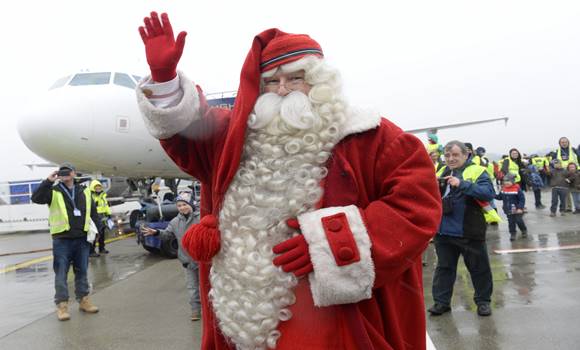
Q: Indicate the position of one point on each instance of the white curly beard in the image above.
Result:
(278, 178)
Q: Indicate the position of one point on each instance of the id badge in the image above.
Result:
(76, 212)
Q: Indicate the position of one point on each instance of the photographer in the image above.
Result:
(70, 212)
(465, 187)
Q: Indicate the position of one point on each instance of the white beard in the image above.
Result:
(278, 178)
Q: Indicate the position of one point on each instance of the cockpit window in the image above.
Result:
(137, 78)
(124, 80)
(90, 79)
(60, 82)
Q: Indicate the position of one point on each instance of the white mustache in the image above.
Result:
(294, 109)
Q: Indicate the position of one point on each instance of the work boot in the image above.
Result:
(512, 236)
(552, 215)
(483, 310)
(438, 309)
(103, 251)
(524, 234)
(62, 311)
(86, 306)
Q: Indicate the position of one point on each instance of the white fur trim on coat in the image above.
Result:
(331, 284)
(359, 120)
(164, 122)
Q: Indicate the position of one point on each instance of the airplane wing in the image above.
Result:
(434, 129)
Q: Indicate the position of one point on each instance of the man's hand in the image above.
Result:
(147, 231)
(162, 50)
(294, 256)
(453, 181)
(53, 176)
(519, 211)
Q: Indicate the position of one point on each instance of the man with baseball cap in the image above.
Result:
(71, 210)
(314, 213)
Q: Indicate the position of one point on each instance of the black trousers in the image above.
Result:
(516, 219)
(538, 197)
(476, 260)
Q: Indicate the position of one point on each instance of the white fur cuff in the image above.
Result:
(330, 283)
(163, 123)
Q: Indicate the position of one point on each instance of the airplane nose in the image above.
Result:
(48, 125)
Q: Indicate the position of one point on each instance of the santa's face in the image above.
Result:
(282, 83)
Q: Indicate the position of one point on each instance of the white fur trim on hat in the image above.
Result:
(331, 284)
(164, 122)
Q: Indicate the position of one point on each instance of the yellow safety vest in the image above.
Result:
(572, 158)
(540, 162)
(489, 167)
(472, 173)
(433, 147)
(58, 216)
(514, 169)
(102, 203)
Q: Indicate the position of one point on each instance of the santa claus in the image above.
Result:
(314, 214)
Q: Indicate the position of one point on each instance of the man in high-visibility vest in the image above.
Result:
(71, 210)
(100, 198)
(464, 188)
(565, 153)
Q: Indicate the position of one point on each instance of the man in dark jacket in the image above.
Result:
(71, 211)
(464, 189)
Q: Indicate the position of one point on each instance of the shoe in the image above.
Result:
(62, 311)
(494, 224)
(483, 310)
(86, 306)
(541, 206)
(577, 211)
(524, 234)
(552, 215)
(568, 210)
(94, 255)
(195, 316)
(562, 213)
(438, 309)
(512, 237)
(103, 251)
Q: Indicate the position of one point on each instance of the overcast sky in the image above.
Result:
(420, 63)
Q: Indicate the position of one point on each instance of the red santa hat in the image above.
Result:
(270, 49)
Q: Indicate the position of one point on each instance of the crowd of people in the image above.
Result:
(466, 180)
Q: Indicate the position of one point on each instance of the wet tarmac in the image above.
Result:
(536, 300)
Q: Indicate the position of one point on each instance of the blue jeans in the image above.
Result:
(559, 194)
(66, 252)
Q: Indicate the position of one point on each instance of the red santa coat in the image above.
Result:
(389, 177)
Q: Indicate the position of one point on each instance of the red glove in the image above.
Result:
(294, 256)
(162, 50)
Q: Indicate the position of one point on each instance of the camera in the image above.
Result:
(64, 172)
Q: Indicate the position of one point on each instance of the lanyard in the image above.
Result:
(70, 196)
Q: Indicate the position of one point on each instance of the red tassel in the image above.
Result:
(202, 241)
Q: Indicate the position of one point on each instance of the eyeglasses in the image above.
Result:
(291, 82)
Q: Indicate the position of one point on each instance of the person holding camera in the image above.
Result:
(465, 189)
(177, 227)
(71, 210)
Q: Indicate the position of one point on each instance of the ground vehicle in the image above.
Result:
(156, 212)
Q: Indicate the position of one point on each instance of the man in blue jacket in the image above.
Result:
(464, 187)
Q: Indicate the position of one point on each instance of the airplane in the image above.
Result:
(92, 120)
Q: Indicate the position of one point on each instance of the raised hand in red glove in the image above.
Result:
(294, 256)
(162, 50)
